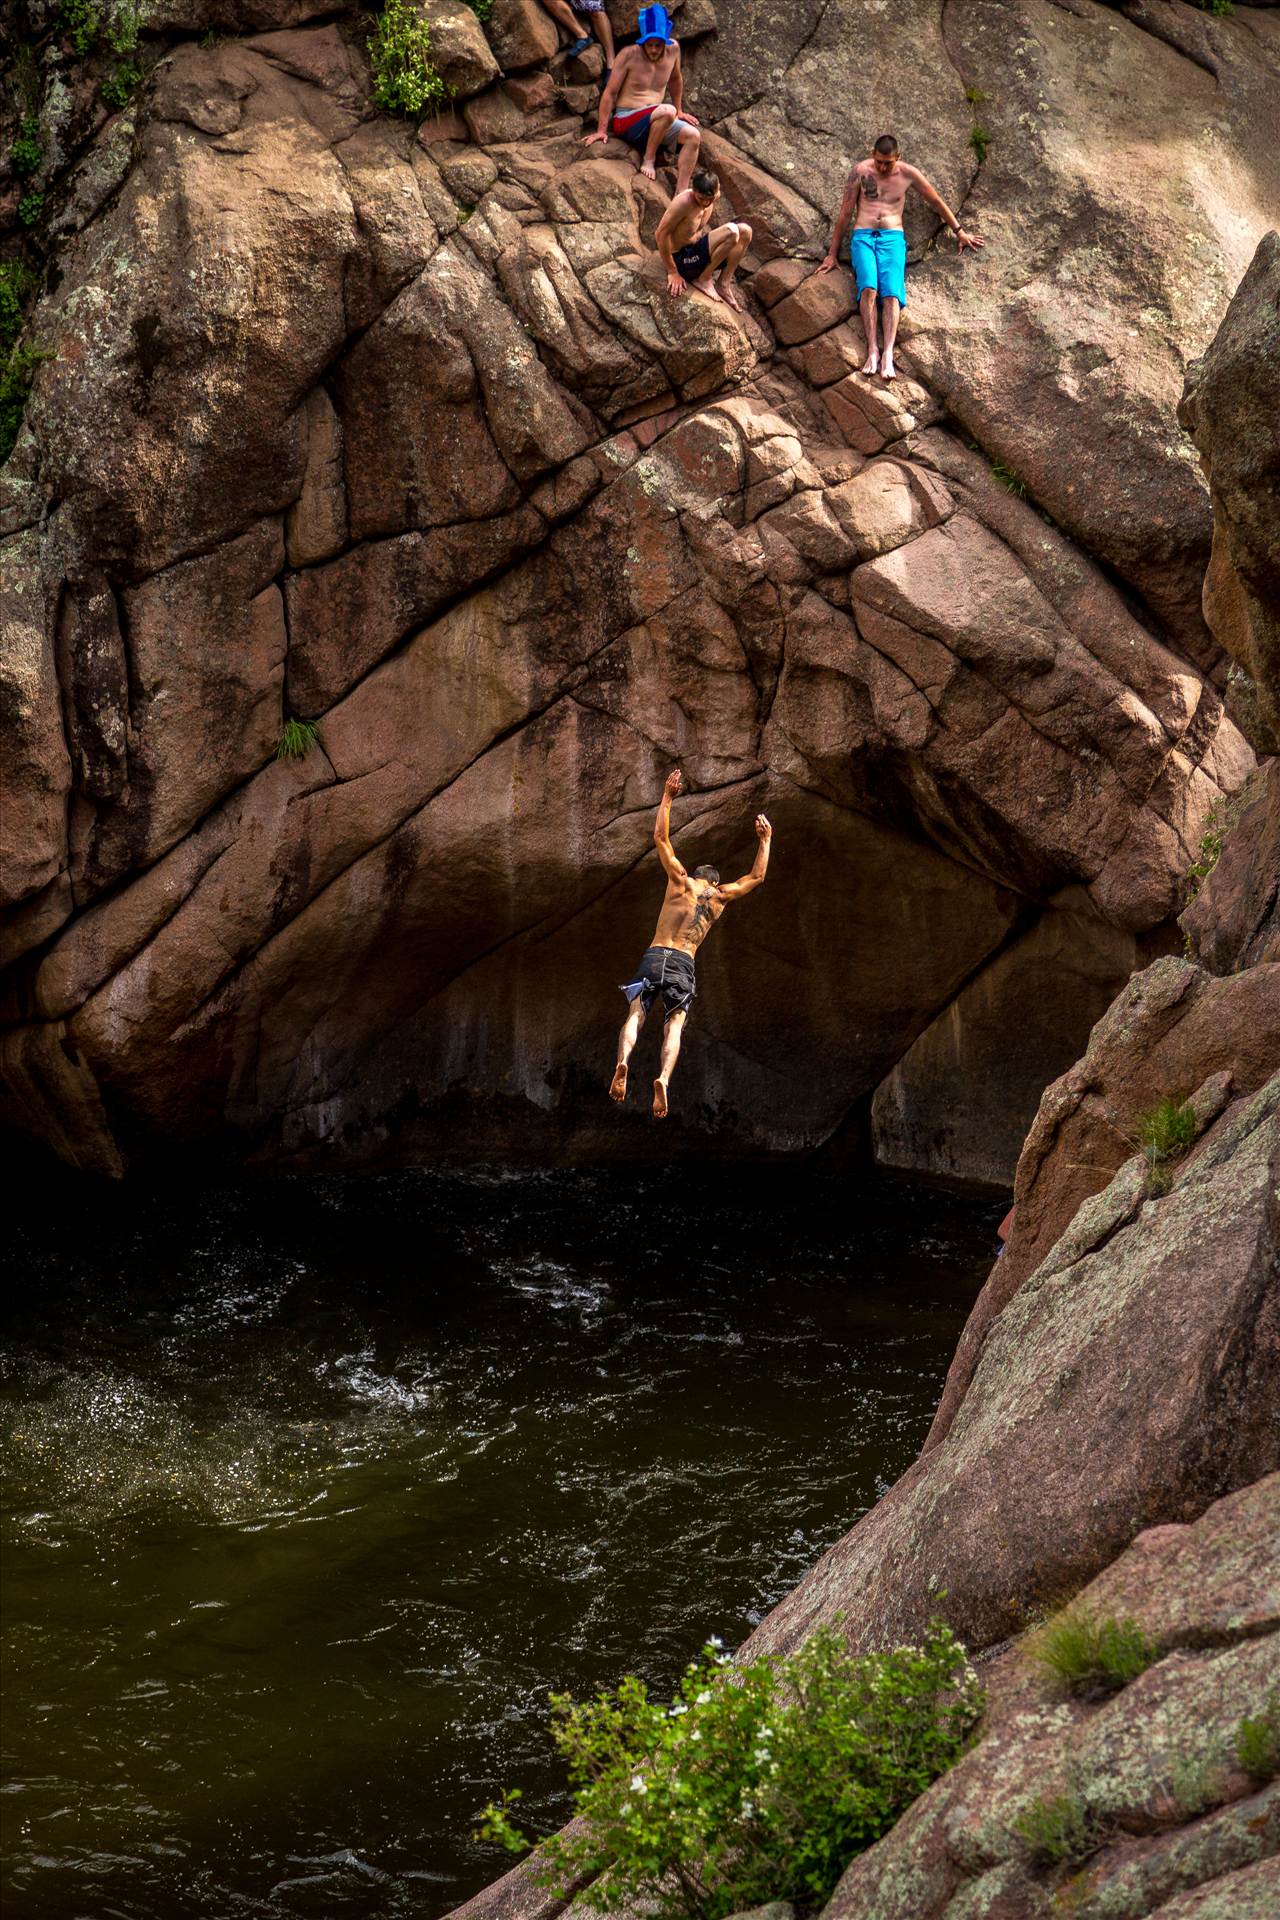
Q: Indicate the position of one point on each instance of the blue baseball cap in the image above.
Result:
(655, 24)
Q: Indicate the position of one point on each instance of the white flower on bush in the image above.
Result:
(637, 1784)
(715, 1641)
(702, 1698)
(678, 1709)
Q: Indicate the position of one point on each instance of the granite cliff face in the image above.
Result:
(398, 433)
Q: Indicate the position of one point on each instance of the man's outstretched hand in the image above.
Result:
(589, 139)
(763, 829)
(964, 240)
(828, 263)
(673, 782)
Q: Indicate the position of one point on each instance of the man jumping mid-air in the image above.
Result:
(874, 195)
(694, 902)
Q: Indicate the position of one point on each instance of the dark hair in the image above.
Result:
(707, 873)
(886, 144)
(704, 182)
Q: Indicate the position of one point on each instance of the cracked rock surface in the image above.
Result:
(400, 435)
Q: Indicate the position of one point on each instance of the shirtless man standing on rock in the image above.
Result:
(693, 903)
(876, 192)
(696, 254)
(633, 107)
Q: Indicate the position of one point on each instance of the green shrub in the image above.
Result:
(1257, 1742)
(30, 208)
(1221, 9)
(27, 151)
(121, 32)
(404, 80)
(1085, 1655)
(16, 369)
(120, 84)
(1056, 1831)
(1164, 1134)
(758, 1783)
(16, 282)
(297, 737)
(979, 140)
(481, 9)
(81, 21)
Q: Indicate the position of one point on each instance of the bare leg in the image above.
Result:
(604, 34)
(867, 308)
(626, 1043)
(688, 145)
(660, 123)
(890, 310)
(730, 267)
(671, 1036)
(564, 14)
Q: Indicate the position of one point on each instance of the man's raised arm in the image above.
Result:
(852, 188)
(930, 193)
(662, 829)
(760, 866)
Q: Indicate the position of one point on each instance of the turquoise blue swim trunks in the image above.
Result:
(878, 256)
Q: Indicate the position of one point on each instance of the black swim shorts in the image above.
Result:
(666, 971)
(691, 263)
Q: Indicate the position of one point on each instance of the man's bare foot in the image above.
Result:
(659, 1101)
(648, 169)
(887, 369)
(730, 295)
(707, 287)
(872, 362)
(618, 1085)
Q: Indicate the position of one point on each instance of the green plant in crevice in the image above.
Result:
(17, 365)
(30, 207)
(17, 281)
(1220, 9)
(758, 1782)
(297, 737)
(1165, 1132)
(121, 84)
(482, 9)
(27, 151)
(81, 21)
(1257, 1741)
(1005, 477)
(979, 140)
(404, 79)
(1212, 840)
(1056, 1830)
(1084, 1654)
(975, 96)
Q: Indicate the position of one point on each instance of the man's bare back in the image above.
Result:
(690, 909)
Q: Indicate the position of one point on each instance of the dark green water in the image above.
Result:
(311, 1492)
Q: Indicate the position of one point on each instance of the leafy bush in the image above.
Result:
(30, 208)
(16, 282)
(81, 21)
(297, 737)
(404, 80)
(481, 9)
(120, 84)
(1257, 1742)
(1085, 1655)
(979, 140)
(16, 368)
(27, 151)
(1057, 1830)
(756, 1784)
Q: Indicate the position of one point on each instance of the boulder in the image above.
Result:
(1230, 406)
(459, 51)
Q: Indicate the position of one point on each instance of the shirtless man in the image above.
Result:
(633, 106)
(693, 903)
(696, 254)
(875, 193)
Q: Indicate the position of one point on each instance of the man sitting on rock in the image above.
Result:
(693, 903)
(595, 11)
(875, 193)
(695, 253)
(633, 105)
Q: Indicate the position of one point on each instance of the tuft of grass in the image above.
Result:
(27, 151)
(975, 96)
(979, 140)
(1212, 840)
(297, 737)
(1057, 1830)
(1257, 1741)
(1006, 477)
(1165, 1132)
(404, 79)
(1087, 1655)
